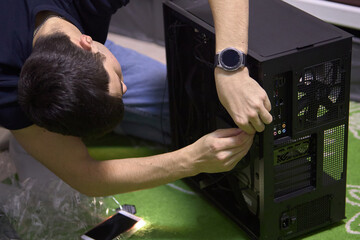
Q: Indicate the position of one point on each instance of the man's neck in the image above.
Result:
(46, 23)
(41, 16)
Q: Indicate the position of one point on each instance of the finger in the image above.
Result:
(257, 124)
(267, 104)
(227, 132)
(248, 128)
(227, 146)
(238, 155)
(265, 116)
(236, 143)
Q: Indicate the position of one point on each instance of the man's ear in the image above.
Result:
(86, 42)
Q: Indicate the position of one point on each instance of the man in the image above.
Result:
(53, 127)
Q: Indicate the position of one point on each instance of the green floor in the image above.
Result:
(174, 214)
(172, 211)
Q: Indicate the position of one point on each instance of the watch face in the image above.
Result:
(230, 59)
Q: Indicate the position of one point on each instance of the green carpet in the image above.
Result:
(174, 211)
(170, 211)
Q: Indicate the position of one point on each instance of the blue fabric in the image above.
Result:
(17, 23)
(146, 100)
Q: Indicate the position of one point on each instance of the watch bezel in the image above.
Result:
(239, 64)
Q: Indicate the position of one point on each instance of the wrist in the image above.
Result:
(187, 163)
(240, 72)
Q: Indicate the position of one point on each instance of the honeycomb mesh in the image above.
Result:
(320, 92)
(314, 213)
(333, 161)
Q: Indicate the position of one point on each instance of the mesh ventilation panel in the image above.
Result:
(333, 159)
(314, 213)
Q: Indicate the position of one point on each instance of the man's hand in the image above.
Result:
(219, 151)
(244, 99)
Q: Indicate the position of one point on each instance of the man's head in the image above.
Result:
(72, 87)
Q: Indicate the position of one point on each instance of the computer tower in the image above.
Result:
(293, 179)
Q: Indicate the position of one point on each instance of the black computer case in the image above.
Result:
(293, 179)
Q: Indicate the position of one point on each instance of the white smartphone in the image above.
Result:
(121, 223)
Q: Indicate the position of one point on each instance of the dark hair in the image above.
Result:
(65, 89)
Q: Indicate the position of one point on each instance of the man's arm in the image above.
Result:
(246, 102)
(68, 158)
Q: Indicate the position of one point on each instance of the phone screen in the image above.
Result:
(112, 227)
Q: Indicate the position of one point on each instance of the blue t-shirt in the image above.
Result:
(17, 24)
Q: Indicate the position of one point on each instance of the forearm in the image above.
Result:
(69, 159)
(231, 18)
(125, 175)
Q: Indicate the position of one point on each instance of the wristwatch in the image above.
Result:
(230, 59)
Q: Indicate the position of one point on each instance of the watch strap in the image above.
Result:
(216, 60)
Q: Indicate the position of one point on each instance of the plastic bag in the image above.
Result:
(53, 212)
